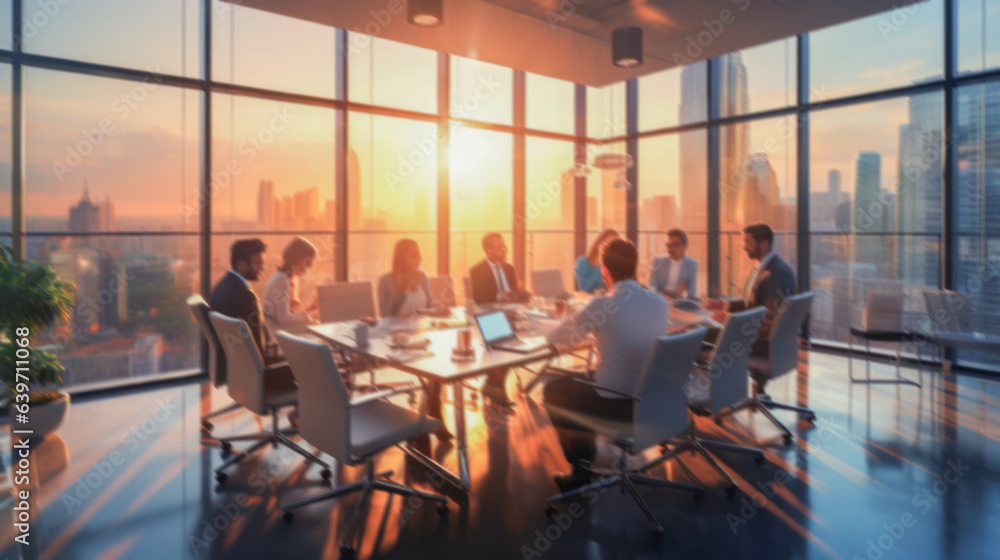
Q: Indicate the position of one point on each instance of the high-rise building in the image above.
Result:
(567, 188)
(265, 203)
(871, 213)
(355, 215)
(919, 192)
(693, 159)
(85, 216)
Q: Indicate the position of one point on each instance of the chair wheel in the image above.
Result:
(326, 474)
(221, 477)
(226, 446)
(657, 534)
(730, 491)
(718, 421)
(550, 511)
(787, 438)
(809, 418)
(758, 458)
(207, 426)
(443, 510)
(346, 552)
(288, 516)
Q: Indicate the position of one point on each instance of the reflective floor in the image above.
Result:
(885, 472)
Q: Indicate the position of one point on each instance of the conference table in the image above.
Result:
(435, 362)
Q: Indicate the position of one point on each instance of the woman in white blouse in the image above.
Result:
(404, 292)
(280, 300)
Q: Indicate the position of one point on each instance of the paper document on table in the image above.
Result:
(403, 356)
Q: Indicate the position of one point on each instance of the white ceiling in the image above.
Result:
(570, 39)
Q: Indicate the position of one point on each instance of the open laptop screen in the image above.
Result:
(494, 326)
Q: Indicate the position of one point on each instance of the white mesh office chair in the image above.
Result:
(548, 283)
(660, 414)
(353, 432)
(718, 388)
(261, 390)
(443, 292)
(345, 301)
(952, 325)
(216, 360)
(782, 357)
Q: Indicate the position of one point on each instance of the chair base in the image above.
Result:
(205, 419)
(275, 437)
(628, 478)
(369, 484)
(695, 444)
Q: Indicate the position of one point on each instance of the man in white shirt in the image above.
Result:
(624, 324)
(675, 274)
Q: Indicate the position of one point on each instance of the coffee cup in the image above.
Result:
(361, 331)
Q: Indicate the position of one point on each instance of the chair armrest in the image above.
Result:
(275, 366)
(703, 367)
(379, 395)
(603, 388)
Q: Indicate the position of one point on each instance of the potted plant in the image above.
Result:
(32, 297)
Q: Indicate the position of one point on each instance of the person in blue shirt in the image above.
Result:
(588, 267)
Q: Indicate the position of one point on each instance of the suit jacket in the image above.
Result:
(391, 298)
(774, 283)
(661, 273)
(484, 283)
(233, 298)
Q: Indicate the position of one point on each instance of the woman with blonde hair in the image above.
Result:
(280, 300)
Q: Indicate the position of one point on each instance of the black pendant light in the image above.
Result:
(626, 47)
(425, 13)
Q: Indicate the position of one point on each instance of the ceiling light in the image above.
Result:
(425, 13)
(626, 47)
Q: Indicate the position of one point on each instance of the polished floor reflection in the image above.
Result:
(885, 472)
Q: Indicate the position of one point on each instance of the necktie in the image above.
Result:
(501, 281)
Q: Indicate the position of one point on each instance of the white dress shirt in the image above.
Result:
(624, 323)
(752, 279)
(674, 276)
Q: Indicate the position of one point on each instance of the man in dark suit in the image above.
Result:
(493, 280)
(233, 296)
(768, 284)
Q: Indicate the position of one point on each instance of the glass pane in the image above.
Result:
(673, 188)
(757, 184)
(481, 91)
(5, 153)
(261, 49)
(5, 25)
(977, 256)
(129, 318)
(378, 67)
(978, 35)
(549, 208)
(875, 206)
(890, 49)
(131, 165)
(162, 37)
(606, 111)
(673, 97)
(481, 175)
(606, 192)
(758, 79)
(549, 103)
(273, 165)
(392, 191)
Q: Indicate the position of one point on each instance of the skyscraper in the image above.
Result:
(870, 216)
(265, 203)
(919, 193)
(693, 195)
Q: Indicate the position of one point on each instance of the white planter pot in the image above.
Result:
(43, 418)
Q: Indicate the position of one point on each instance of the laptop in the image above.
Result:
(499, 335)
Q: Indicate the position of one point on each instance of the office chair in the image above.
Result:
(782, 357)
(660, 414)
(881, 321)
(345, 301)
(216, 360)
(952, 325)
(261, 390)
(548, 283)
(353, 432)
(720, 387)
(443, 291)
